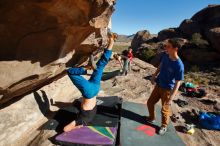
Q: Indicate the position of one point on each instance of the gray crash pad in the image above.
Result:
(135, 131)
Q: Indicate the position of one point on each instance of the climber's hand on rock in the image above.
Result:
(112, 38)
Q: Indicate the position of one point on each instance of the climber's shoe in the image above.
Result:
(113, 35)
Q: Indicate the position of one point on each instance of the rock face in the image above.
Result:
(205, 22)
(168, 33)
(198, 36)
(39, 38)
(21, 121)
(140, 38)
(214, 37)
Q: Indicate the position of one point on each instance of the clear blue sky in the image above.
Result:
(154, 15)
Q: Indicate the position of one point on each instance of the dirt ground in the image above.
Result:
(136, 87)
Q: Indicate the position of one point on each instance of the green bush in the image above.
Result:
(199, 41)
(195, 68)
(147, 54)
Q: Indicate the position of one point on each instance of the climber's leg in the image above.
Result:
(103, 61)
(76, 71)
(81, 83)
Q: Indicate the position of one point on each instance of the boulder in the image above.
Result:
(199, 56)
(21, 122)
(188, 27)
(38, 39)
(205, 22)
(208, 17)
(140, 38)
(168, 33)
(214, 37)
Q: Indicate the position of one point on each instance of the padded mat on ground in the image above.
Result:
(107, 117)
(90, 135)
(135, 131)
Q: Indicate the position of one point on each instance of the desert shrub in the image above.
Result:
(147, 54)
(196, 78)
(198, 41)
(119, 48)
(195, 68)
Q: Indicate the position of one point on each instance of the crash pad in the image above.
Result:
(106, 119)
(135, 131)
(90, 135)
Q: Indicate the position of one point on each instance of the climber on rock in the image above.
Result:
(89, 88)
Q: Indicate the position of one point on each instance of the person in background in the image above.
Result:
(125, 59)
(168, 77)
(130, 57)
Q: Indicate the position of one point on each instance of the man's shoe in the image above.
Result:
(162, 130)
(150, 120)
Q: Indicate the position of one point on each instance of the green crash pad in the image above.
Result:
(135, 131)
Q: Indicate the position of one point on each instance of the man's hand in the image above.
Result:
(174, 92)
(153, 79)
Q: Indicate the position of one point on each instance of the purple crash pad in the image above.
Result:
(91, 135)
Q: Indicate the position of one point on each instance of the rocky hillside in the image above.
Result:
(38, 39)
(125, 38)
(199, 36)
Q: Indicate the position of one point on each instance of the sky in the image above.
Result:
(131, 16)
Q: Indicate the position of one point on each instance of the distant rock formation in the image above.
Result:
(168, 33)
(125, 38)
(199, 36)
(38, 39)
(205, 22)
(140, 38)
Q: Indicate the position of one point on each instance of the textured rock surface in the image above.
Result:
(140, 38)
(35, 36)
(214, 38)
(20, 122)
(205, 22)
(168, 33)
(197, 50)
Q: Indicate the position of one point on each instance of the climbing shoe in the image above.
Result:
(162, 130)
(150, 120)
(113, 35)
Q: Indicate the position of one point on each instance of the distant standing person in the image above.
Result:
(126, 61)
(168, 79)
(130, 57)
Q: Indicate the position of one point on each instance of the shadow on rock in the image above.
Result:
(109, 75)
(43, 104)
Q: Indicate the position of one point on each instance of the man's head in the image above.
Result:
(130, 49)
(172, 46)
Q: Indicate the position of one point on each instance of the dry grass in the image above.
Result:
(119, 48)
